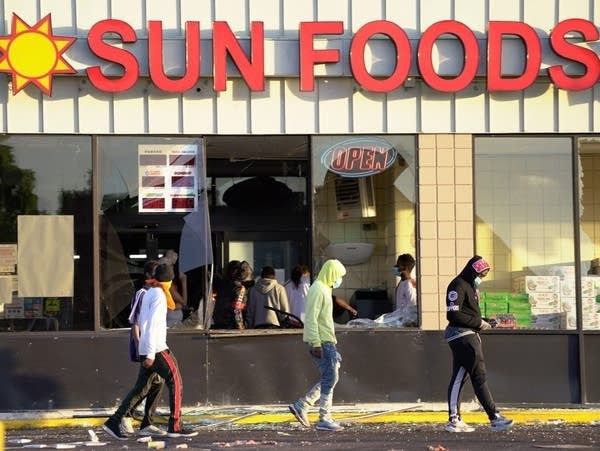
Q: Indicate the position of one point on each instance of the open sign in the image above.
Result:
(359, 157)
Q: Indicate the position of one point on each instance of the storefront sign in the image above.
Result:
(33, 54)
(359, 157)
(168, 179)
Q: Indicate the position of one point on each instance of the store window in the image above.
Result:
(364, 215)
(524, 217)
(588, 152)
(46, 233)
(151, 200)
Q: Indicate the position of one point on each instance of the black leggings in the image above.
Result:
(467, 360)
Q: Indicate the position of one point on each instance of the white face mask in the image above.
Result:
(477, 281)
(337, 283)
(396, 271)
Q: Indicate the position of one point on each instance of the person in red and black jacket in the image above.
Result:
(462, 334)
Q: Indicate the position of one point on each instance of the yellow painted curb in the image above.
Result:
(558, 416)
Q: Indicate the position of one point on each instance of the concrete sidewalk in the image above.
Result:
(254, 415)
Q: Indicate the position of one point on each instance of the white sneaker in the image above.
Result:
(152, 431)
(327, 424)
(458, 425)
(127, 425)
(500, 423)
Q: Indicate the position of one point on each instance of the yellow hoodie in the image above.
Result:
(318, 321)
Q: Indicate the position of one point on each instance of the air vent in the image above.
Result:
(355, 197)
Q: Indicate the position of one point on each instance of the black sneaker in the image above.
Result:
(113, 428)
(182, 433)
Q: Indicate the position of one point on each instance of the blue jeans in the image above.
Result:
(329, 365)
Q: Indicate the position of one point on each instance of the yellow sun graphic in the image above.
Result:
(34, 54)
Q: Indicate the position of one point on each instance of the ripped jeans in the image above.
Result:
(329, 365)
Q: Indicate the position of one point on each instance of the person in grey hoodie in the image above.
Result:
(266, 292)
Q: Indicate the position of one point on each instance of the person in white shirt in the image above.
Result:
(406, 290)
(296, 289)
(155, 357)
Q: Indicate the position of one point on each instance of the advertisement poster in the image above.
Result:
(168, 178)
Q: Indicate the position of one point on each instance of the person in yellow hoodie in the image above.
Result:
(319, 334)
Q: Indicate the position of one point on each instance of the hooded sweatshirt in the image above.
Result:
(318, 321)
(462, 300)
(266, 292)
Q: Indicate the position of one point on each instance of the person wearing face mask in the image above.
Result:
(296, 289)
(319, 334)
(462, 334)
(406, 290)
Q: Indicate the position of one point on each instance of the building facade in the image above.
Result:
(286, 132)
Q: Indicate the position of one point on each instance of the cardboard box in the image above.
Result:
(536, 284)
(546, 319)
(568, 287)
(545, 301)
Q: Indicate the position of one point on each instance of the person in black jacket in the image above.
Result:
(462, 334)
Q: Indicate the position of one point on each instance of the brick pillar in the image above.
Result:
(445, 225)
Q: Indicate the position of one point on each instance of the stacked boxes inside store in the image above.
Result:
(510, 310)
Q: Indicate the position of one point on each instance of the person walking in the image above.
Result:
(155, 383)
(462, 334)
(155, 357)
(319, 334)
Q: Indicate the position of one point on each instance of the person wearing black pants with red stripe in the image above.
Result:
(155, 357)
(462, 334)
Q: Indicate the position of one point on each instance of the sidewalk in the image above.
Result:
(253, 415)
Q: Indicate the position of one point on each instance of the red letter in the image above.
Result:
(253, 71)
(533, 51)
(357, 56)
(131, 69)
(155, 58)
(586, 57)
(471, 56)
(309, 56)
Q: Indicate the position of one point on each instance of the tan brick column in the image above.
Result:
(445, 225)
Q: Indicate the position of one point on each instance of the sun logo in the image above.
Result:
(34, 54)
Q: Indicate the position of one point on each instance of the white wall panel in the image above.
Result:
(334, 105)
(403, 110)
(25, 10)
(129, 110)
(436, 111)
(131, 12)
(505, 9)
(575, 8)
(234, 12)
(505, 112)
(95, 111)
(63, 20)
(299, 108)
(232, 108)
(58, 111)
(334, 10)
(470, 110)
(167, 11)
(197, 10)
(539, 14)
(199, 108)
(368, 112)
(471, 14)
(268, 12)
(574, 110)
(404, 14)
(294, 12)
(365, 11)
(88, 13)
(266, 109)
(164, 113)
(432, 12)
(538, 109)
(23, 111)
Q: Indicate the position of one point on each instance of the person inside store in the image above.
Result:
(155, 383)
(266, 294)
(406, 290)
(178, 290)
(296, 288)
(155, 357)
(231, 296)
(462, 334)
(319, 335)
(343, 311)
